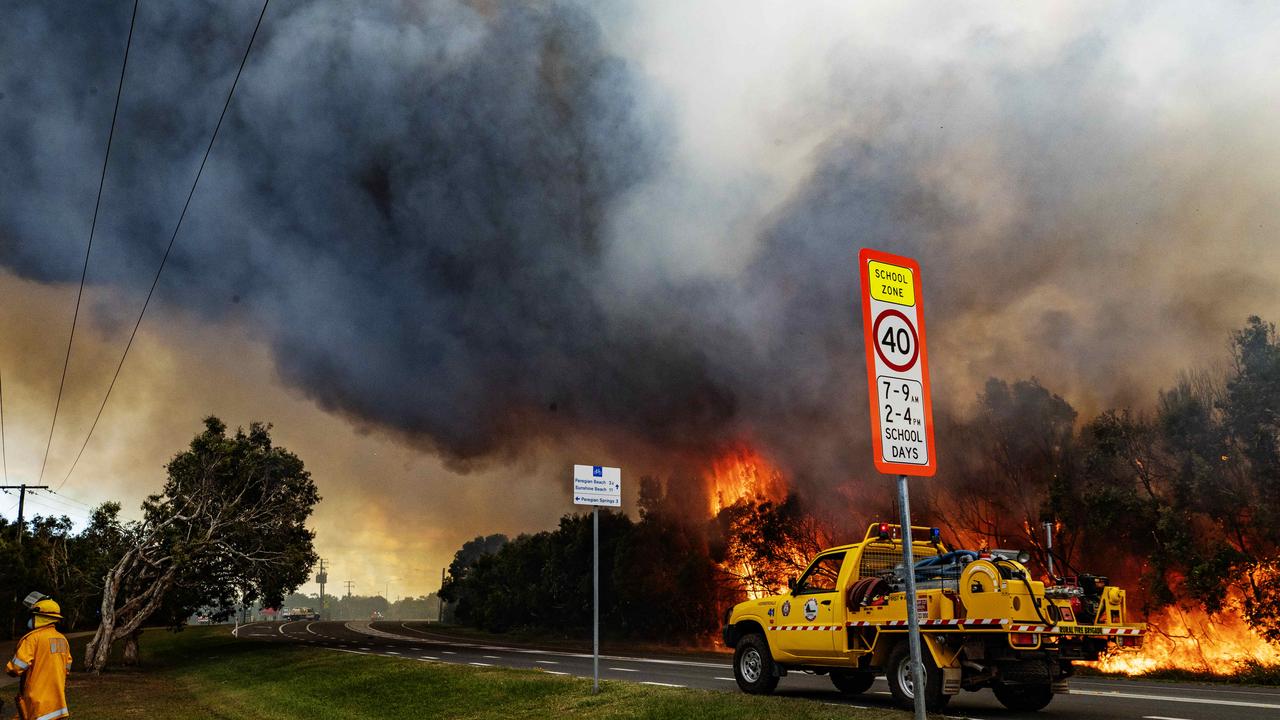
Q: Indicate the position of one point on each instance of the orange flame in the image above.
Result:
(1192, 639)
(1177, 638)
(739, 475)
(743, 474)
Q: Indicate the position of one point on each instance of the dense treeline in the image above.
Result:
(657, 579)
(1184, 500)
(362, 607)
(1181, 504)
(227, 527)
(52, 555)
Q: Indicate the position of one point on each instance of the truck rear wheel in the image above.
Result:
(852, 682)
(1023, 698)
(753, 666)
(901, 686)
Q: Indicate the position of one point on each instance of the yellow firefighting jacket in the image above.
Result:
(42, 661)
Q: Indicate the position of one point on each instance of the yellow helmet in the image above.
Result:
(47, 608)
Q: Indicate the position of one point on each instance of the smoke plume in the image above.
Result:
(484, 226)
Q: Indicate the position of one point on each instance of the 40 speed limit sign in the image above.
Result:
(897, 364)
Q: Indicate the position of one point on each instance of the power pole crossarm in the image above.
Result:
(22, 503)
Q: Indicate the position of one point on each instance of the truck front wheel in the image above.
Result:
(852, 682)
(901, 685)
(1023, 698)
(753, 665)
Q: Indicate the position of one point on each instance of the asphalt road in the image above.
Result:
(1089, 697)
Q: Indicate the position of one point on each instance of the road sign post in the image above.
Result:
(901, 403)
(595, 485)
(595, 599)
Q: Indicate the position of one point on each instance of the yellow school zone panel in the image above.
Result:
(891, 283)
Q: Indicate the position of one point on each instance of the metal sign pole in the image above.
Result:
(913, 617)
(595, 599)
(595, 485)
(1048, 547)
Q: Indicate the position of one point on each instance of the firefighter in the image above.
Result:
(41, 663)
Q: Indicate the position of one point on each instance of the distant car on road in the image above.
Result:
(290, 615)
(374, 616)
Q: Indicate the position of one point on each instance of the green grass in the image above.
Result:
(205, 673)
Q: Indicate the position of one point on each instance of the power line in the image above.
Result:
(68, 499)
(59, 506)
(4, 453)
(51, 503)
(172, 239)
(84, 271)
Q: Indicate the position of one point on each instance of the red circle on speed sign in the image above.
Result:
(897, 334)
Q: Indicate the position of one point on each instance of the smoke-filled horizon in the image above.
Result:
(459, 244)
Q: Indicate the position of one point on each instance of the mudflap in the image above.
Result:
(946, 661)
(951, 681)
(1061, 687)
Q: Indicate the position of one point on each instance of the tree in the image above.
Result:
(229, 525)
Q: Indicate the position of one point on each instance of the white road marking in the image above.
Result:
(551, 653)
(1077, 690)
(428, 657)
(392, 652)
(625, 669)
(1174, 698)
(492, 657)
(481, 664)
(1129, 685)
(728, 679)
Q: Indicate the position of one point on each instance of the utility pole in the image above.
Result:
(349, 586)
(22, 501)
(322, 578)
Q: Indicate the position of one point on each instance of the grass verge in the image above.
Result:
(205, 673)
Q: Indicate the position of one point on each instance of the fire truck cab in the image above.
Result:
(984, 622)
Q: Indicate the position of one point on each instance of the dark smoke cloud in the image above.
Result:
(409, 201)
(429, 212)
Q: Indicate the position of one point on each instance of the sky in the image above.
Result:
(451, 248)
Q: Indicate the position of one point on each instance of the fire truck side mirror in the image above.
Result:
(791, 583)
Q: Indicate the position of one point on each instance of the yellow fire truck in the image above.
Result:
(984, 622)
